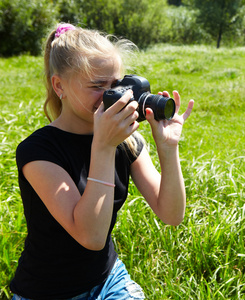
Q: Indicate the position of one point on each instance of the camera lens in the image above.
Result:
(169, 108)
(163, 107)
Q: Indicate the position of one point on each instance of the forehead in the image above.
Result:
(103, 70)
(106, 67)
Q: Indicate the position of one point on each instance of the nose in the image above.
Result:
(100, 98)
(101, 93)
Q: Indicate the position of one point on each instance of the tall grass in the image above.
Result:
(204, 257)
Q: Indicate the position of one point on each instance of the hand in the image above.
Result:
(113, 126)
(168, 132)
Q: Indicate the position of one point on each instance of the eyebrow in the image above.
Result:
(99, 81)
(103, 82)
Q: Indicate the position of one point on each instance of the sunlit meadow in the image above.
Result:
(204, 257)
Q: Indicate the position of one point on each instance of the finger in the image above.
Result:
(188, 110)
(149, 115)
(164, 93)
(177, 101)
(121, 103)
(99, 111)
(130, 110)
(131, 117)
(132, 127)
(100, 108)
(128, 124)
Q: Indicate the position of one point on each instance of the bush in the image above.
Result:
(140, 21)
(184, 28)
(236, 35)
(70, 11)
(23, 24)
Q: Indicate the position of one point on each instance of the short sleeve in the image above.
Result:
(35, 148)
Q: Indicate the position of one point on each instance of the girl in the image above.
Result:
(74, 173)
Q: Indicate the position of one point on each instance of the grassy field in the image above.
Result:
(204, 257)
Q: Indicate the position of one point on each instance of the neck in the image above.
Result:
(75, 125)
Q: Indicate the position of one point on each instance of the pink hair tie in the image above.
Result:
(62, 28)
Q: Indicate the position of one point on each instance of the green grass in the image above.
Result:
(204, 257)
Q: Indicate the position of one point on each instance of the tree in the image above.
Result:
(141, 21)
(175, 2)
(217, 17)
(23, 24)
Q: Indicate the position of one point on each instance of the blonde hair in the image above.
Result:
(75, 51)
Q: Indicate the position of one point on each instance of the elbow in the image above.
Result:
(93, 244)
(93, 240)
(172, 216)
(172, 220)
(175, 221)
(91, 237)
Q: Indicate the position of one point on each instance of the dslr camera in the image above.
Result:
(163, 107)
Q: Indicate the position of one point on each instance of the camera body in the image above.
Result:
(163, 107)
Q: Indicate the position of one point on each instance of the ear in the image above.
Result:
(57, 85)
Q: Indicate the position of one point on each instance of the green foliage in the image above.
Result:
(218, 17)
(143, 25)
(70, 11)
(175, 2)
(201, 259)
(21, 94)
(101, 14)
(183, 28)
(23, 24)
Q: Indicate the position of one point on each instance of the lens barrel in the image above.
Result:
(163, 107)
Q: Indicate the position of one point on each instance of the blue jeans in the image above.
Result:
(117, 286)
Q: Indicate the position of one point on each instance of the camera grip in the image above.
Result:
(113, 95)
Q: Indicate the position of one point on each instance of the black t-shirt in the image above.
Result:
(53, 265)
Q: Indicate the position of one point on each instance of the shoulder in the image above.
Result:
(34, 142)
(54, 145)
(40, 145)
(37, 136)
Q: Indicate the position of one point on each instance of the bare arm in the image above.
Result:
(87, 218)
(164, 192)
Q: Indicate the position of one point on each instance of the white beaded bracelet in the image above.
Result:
(102, 182)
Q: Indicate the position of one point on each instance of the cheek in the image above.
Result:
(97, 94)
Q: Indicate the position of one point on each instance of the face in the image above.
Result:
(85, 94)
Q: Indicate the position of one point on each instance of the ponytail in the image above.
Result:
(52, 105)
